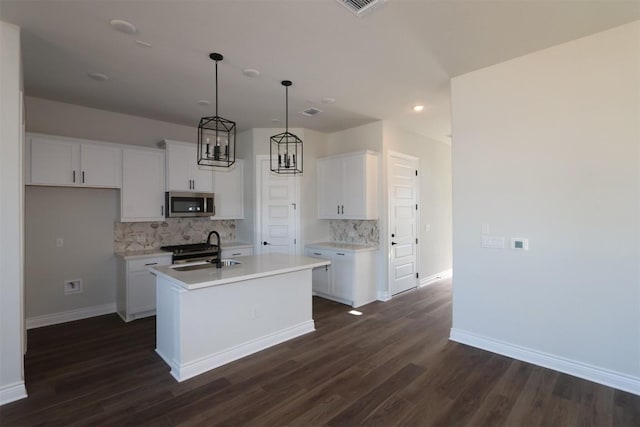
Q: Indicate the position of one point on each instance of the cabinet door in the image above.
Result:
(354, 187)
(320, 276)
(329, 188)
(343, 277)
(141, 293)
(142, 194)
(54, 162)
(100, 166)
(228, 186)
(183, 171)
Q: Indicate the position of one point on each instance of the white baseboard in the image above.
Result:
(426, 281)
(383, 296)
(184, 371)
(12, 392)
(69, 316)
(572, 367)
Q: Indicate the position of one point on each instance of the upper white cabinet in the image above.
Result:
(183, 171)
(142, 194)
(228, 186)
(348, 186)
(62, 161)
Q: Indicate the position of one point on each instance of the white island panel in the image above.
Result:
(201, 328)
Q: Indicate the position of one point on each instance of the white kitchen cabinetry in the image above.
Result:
(228, 187)
(235, 252)
(183, 171)
(348, 186)
(136, 293)
(62, 161)
(349, 279)
(142, 194)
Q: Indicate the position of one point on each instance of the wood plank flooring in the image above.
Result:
(392, 366)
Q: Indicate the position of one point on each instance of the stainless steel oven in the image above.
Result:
(187, 204)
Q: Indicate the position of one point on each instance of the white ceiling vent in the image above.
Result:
(309, 112)
(359, 7)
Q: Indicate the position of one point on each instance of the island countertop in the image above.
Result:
(250, 267)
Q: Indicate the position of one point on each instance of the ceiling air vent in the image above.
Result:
(360, 6)
(309, 112)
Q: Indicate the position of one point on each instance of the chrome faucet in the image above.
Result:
(218, 249)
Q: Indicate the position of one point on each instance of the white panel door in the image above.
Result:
(278, 219)
(402, 223)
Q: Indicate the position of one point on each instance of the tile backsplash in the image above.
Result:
(362, 232)
(132, 236)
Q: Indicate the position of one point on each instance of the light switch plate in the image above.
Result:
(493, 242)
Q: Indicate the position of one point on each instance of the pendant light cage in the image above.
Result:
(285, 149)
(216, 135)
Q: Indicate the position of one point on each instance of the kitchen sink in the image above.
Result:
(203, 265)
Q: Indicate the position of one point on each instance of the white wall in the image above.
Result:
(435, 195)
(546, 147)
(58, 118)
(84, 218)
(11, 230)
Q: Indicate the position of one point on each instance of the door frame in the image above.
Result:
(257, 212)
(390, 155)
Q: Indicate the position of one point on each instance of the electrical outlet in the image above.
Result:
(72, 286)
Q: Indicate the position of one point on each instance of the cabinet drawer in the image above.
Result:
(145, 263)
(319, 253)
(228, 253)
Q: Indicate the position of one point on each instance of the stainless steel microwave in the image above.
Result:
(187, 204)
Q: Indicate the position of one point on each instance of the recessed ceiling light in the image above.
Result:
(123, 26)
(328, 100)
(98, 76)
(143, 44)
(204, 102)
(251, 72)
(418, 108)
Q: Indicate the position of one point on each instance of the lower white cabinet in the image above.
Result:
(350, 278)
(136, 292)
(234, 252)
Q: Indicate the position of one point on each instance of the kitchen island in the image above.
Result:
(207, 317)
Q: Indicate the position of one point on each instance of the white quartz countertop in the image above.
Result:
(152, 253)
(250, 267)
(349, 247)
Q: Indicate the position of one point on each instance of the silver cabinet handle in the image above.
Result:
(152, 263)
(83, 177)
(162, 210)
(338, 253)
(74, 176)
(237, 254)
(342, 209)
(317, 253)
(338, 210)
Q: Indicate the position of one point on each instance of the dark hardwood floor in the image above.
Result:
(391, 366)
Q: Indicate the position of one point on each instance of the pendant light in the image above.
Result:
(286, 148)
(216, 136)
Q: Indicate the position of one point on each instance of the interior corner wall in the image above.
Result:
(59, 118)
(11, 226)
(435, 195)
(546, 147)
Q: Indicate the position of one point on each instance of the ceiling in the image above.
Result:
(376, 66)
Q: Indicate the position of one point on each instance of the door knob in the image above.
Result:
(266, 243)
(393, 243)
